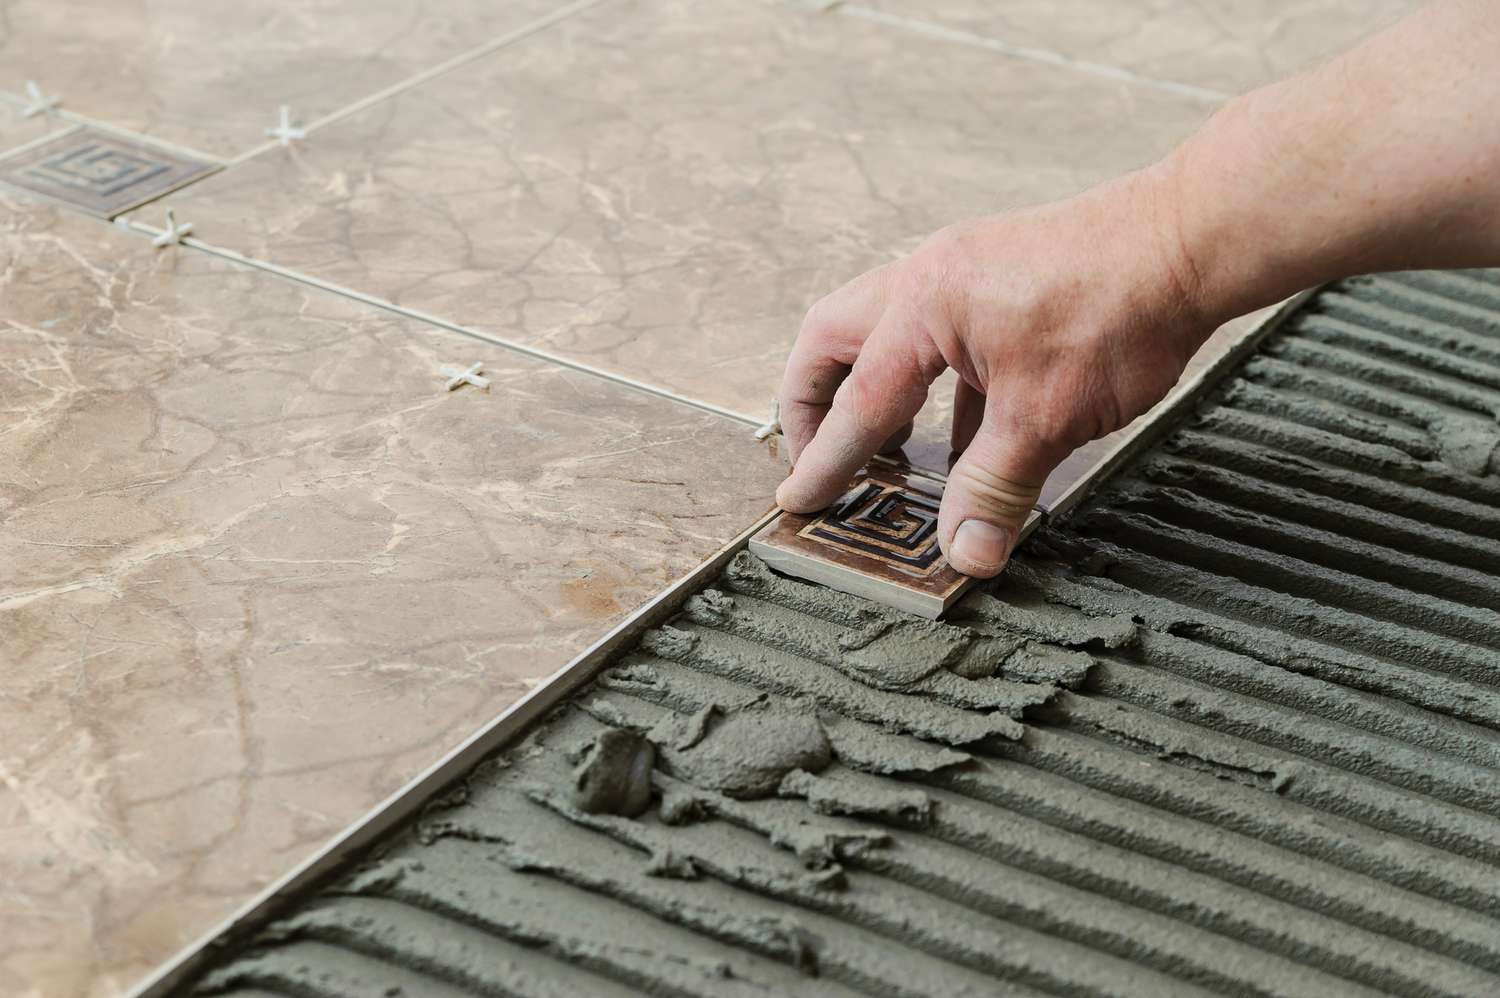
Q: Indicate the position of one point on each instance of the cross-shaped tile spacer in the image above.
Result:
(457, 377)
(40, 102)
(173, 233)
(772, 424)
(284, 132)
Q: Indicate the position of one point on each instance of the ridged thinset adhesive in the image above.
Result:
(1231, 728)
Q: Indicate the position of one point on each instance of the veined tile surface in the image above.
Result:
(257, 569)
(663, 188)
(209, 74)
(1228, 47)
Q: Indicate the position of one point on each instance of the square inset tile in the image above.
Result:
(100, 173)
(879, 541)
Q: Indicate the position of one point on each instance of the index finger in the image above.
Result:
(885, 389)
(831, 337)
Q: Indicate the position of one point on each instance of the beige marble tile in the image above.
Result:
(257, 569)
(1230, 47)
(210, 74)
(662, 188)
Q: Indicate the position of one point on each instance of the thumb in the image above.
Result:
(989, 494)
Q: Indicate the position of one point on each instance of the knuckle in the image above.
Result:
(820, 318)
(942, 247)
(1062, 431)
(1078, 406)
(933, 266)
(941, 276)
(859, 406)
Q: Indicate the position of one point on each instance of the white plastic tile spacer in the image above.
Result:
(458, 377)
(285, 132)
(40, 103)
(772, 425)
(173, 233)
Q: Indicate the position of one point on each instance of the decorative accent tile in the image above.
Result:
(879, 541)
(100, 173)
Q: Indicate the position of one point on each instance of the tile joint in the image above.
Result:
(386, 816)
(958, 36)
(75, 119)
(396, 89)
(432, 320)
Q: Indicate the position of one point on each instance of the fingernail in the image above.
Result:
(983, 545)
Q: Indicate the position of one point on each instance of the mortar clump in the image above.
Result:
(613, 774)
(747, 754)
(898, 654)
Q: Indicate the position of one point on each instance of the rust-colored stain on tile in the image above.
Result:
(878, 541)
(100, 173)
(287, 546)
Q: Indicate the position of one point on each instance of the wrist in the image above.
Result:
(1166, 276)
(1227, 217)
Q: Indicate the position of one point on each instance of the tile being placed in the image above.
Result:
(878, 541)
(100, 173)
(210, 74)
(258, 567)
(1230, 48)
(663, 188)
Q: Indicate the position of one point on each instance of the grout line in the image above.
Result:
(63, 114)
(32, 144)
(499, 341)
(384, 817)
(962, 37)
(463, 58)
(455, 62)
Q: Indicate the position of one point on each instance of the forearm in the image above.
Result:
(1067, 320)
(1387, 158)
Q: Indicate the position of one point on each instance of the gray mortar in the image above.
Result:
(1232, 729)
(750, 753)
(613, 775)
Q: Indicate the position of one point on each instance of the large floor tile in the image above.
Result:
(210, 74)
(662, 188)
(257, 569)
(1221, 46)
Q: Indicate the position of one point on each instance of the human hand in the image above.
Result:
(1063, 323)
